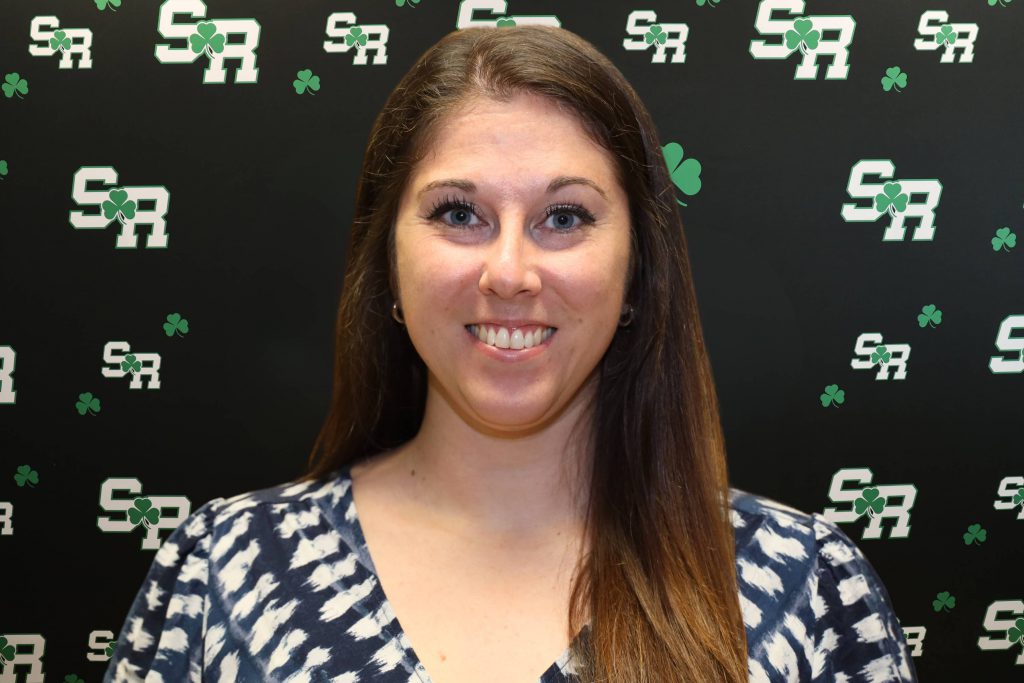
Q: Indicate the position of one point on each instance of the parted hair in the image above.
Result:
(658, 582)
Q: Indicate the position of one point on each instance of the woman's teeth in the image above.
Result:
(501, 338)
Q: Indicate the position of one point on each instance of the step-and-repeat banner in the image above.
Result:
(176, 186)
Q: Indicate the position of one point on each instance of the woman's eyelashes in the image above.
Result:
(460, 207)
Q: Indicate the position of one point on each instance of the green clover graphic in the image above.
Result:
(87, 403)
(400, 3)
(685, 175)
(928, 315)
(943, 601)
(26, 475)
(1016, 632)
(869, 502)
(305, 80)
(3, 168)
(894, 78)
(103, 4)
(975, 535)
(60, 41)
(73, 678)
(833, 395)
(801, 36)
(206, 38)
(1018, 497)
(143, 512)
(13, 83)
(130, 364)
(118, 206)
(880, 355)
(992, 3)
(505, 21)
(111, 646)
(891, 198)
(7, 651)
(1004, 239)
(709, 3)
(175, 323)
(656, 34)
(355, 35)
(946, 34)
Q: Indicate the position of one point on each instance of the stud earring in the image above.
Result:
(395, 313)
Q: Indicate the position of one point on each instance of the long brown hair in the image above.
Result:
(659, 583)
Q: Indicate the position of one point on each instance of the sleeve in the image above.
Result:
(162, 636)
(857, 636)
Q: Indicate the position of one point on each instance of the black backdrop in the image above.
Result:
(255, 183)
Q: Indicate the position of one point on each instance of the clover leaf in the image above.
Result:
(709, 3)
(992, 3)
(207, 38)
(7, 650)
(505, 21)
(685, 175)
(355, 35)
(175, 323)
(656, 34)
(26, 475)
(894, 78)
(400, 3)
(869, 502)
(131, 364)
(880, 355)
(111, 646)
(1004, 239)
(834, 395)
(143, 512)
(892, 198)
(118, 205)
(801, 36)
(305, 80)
(943, 601)
(87, 403)
(1018, 497)
(60, 41)
(975, 535)
(1016, 632)
(3, 168)
(73, 678)
(928, 315)
(102, 4)
(14, 84)
(945, 34)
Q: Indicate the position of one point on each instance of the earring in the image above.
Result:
(627, 318)
(395, 314)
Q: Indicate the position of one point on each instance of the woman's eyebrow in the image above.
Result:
(470, 186)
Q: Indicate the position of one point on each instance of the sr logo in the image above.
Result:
(1008, 344)
(120, 204)
(7, 362)
(813, 36)
(68, 42)
(152, 513)
(670, 36)
(138, 365)
(872, 352)
(873, 501)
(939, 33)
(895, 199)
(364, 38)
(498, 11)
(208, 38)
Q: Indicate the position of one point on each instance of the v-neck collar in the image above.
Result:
(347, 509)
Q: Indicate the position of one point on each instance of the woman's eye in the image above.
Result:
(461, 210)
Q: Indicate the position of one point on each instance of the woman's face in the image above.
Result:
(507, 258)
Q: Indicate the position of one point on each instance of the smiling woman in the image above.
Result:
(525, 406)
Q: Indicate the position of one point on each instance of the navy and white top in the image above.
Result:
(278, 585)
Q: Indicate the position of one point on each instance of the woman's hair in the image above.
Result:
(659, 581)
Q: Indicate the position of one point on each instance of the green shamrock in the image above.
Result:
(102, 4)
(685, 175)
(801, 36)
(87, 402)
(946, 34)
(1016, 632)
(505, 21)
(305, 80)
(111, 646)
(869, 502)
(1018, 497)
(709, 3)
(143, 512)
(992, 3)
(26, 475)
(894, 77)
(400, 3)
(60, 41)
(175, 323)
(129, 363)
(207, 38)
(15, 84)
(943, 601)
(975, 534)
(73, 678)
(1004, 239)
(891, 198)
(355, 35)
(880, 355)
(929, 314)
(3, 168)
(118, 205)
(7, 651)
(656, 34)
(833, 394)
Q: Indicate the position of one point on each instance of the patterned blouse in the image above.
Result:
(278, 585)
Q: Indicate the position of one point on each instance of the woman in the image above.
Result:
(535, 503)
